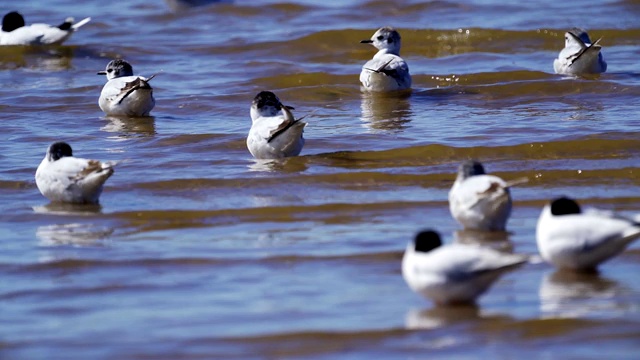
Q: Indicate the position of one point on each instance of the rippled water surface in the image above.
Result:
(198, 251)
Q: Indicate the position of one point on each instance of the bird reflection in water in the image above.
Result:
(386, 111)
(497, 240)
(568, 294)
(130, 127)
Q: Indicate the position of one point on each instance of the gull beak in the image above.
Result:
(289, 107)
(366, 41)
(101, 72)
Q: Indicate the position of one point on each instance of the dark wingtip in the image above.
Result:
(427, 240)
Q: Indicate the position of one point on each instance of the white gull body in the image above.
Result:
(274, 132)
(387, 71)
(61, 177)
(125, 94)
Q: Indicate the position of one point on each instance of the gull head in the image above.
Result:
(386, 38)
(470, 168)
(266, 104)
(564, 206)
(12, 21)
(117, 68)
(576, 37)
(426, 241)
(58, 150)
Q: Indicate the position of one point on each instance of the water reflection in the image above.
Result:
(68, 209)
(73, 234)
(440, 316)
(287, 165)
(385, 111)
(497, 240)
(567, 294)
(36, 58)
(130, 127)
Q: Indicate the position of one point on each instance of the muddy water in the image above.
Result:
(198, 251)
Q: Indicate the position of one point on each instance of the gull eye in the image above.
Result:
(380, 37)
(110, 70)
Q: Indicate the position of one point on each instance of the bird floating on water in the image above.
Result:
(125, 94)
(479, 201)
(387, 71)
(15, 32)
(274, 132)
(570, 238)
(580, 56)
(456, 273)
(61, 177)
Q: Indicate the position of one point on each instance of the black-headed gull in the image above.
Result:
(125, 94)
(15, 32)
(570, 238)
(61, 177)
(274, 132)
(455, 273)
(387, 71)
(580, 56)
(479, 201)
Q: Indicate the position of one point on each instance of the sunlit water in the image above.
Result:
(198, 251)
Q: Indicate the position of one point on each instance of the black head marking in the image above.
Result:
(267, 98)
(59, 150)
(564, 206)
(12, 21)
(117, 68)
(426, 241)
(471, 168)
(66, 25)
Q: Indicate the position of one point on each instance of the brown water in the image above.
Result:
(198, 251)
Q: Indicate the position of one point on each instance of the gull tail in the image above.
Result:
(137, 84)
(518, 181)
(79, 24)
(594, 49)
(288, 123)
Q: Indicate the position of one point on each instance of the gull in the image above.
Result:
(125, 94)
(570, 238)
(274, 132)
(61, 177)
(456, 273)
(479, 201)
(579, 56)
(15, 32)
(387, 71)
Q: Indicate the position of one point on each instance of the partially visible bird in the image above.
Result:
(125, 94)
(61, 177)
(456, 273)
(15, 32)
(579, 56)
(570, 238)
(479, 201)
(274, 132)
(387, 71)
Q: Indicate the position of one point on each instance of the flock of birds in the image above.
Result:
(567, 237)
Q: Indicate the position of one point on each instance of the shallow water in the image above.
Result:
(198, 251)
